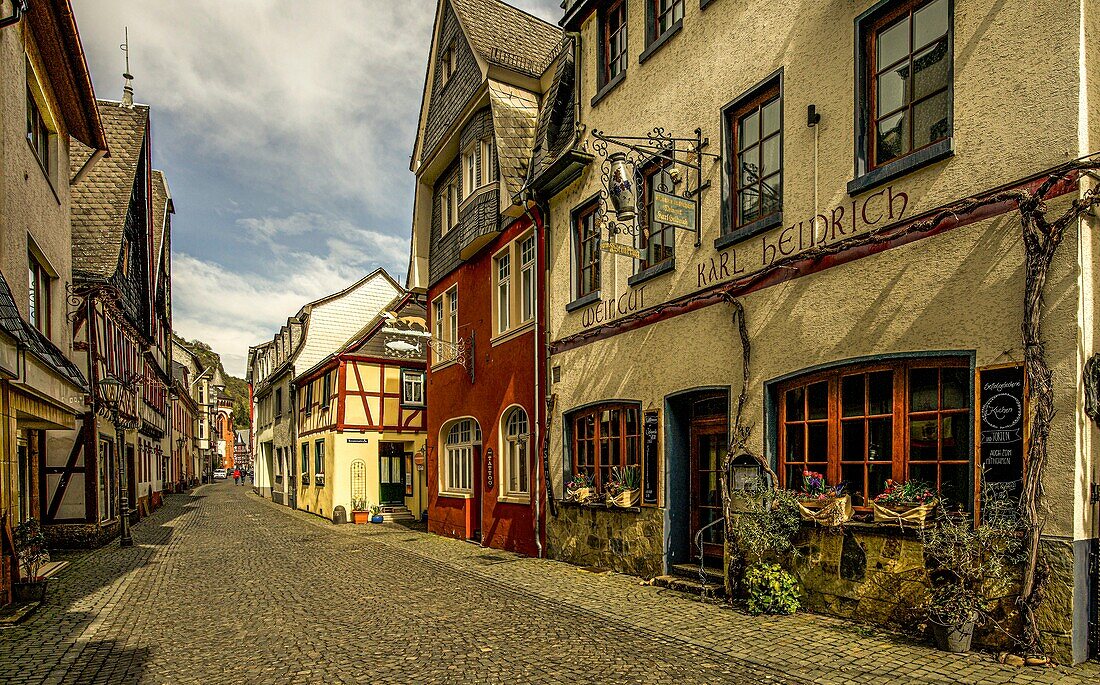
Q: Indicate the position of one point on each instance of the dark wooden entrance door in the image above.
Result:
(391, 465)
(708, 448)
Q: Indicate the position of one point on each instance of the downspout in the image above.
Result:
(537, 494)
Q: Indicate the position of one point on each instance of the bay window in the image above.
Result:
(865, 424)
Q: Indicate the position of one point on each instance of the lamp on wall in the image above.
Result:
(112, 390)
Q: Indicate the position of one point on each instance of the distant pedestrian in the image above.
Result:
(236, 476)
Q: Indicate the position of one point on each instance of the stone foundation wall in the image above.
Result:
(79, 535)
(1055, 614)
(623, 540)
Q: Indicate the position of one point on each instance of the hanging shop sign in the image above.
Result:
(674, 210)
(650, 477)
(619, 248)
(1001, 425)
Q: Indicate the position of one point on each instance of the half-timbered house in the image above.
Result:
(115, 320)
(184, 468)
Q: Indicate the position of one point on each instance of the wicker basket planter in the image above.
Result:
(625, 499)
(580, 495)
(828, 511)
(913, 513)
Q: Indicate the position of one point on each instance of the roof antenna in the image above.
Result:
(128, 89)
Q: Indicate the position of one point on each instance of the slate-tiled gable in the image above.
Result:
(447, 101)
(101, 201)
(508, 36)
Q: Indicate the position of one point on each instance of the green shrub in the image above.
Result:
(771, 590)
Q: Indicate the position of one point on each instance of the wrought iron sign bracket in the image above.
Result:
(619, 184)
(458, 352)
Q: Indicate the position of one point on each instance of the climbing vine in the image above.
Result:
(1041, 238)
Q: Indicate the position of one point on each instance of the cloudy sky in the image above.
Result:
(285, 129)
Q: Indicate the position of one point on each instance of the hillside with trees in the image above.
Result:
(234, 387)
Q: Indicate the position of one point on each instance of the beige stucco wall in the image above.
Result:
(961, 290)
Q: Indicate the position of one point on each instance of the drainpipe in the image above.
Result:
(19, 8)
(527, 197)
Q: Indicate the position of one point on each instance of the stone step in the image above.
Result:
(694, 587)
(691, 572)
(396, 514)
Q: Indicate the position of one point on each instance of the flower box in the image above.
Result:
(625, 499)
(914, 513)
(580, 495)
(826, 511)
(360, 517)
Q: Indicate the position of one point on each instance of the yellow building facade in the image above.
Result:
(361, 420)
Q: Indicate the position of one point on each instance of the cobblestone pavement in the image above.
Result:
(223, 587)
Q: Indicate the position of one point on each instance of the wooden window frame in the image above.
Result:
(513, 458)
(616, 10)
(319, 457)
(39, 134)
(40, 298)
(753, 101)
(646, 187)
(595, 467)
(527, 287)
(415, 376)
(459, 443)
(869, 25)
(900, 414)
(591, 284)
(656, 14)
(502, 291)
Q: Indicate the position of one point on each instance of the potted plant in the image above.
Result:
(376, 514)
(969, 567)
(360, 511)
(760, 534)
(581, 489)
(624, 488)
(910, 502)
(823, 503)
(31, 550)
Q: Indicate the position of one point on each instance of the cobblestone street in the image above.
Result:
(223, 587)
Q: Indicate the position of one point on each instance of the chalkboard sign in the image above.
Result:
(1001, 417)
(650, 477)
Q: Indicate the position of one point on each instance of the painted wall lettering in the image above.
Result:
(614, 307)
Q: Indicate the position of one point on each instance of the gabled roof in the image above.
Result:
(162, 207)
(506, 35)
(31, 339)
(101, 200)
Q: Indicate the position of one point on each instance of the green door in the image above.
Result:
(392, 473)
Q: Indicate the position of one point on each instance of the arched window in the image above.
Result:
(458, 457)
(515, 452)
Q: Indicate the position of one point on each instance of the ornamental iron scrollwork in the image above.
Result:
(619, 186)
(459, 352)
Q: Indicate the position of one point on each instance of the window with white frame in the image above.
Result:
(503, 264)
(412, 388)
(516, 449)
(458, 457)
(452, 314)
(445, 326)
(448, 207)
(479, 165)
(527, 278)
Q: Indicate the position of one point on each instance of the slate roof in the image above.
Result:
(508, 36)
(162, 204)
(333, 320)
(515, 114)
(30, 338)
(556, 120)
(179, 372)
(101, 200)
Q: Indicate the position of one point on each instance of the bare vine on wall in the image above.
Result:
(1041, 238)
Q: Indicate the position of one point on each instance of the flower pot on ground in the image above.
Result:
(360, 511)
(31, 591)
(360, 517)
(376, 514)
(30, 549)
(954, 638)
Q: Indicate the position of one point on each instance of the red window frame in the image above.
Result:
(754, 104)
(659, 10)
(587, 242)
(605, 436)
(650, 229)
(612, 26)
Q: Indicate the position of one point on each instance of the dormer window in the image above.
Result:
(479, 167)
(446, 67)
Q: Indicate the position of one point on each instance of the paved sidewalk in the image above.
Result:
(224, 587)
(804, 647)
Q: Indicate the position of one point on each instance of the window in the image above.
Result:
(527, 278)
(606, 436)
(437, 318)
(657, 240)
(319, 457)
(756, 147)
(38, 133)
(448, 207)
(446, 67)
(308, 398)
(515, 452)
(613, 58)
(906, 99)
(278, 402)
(412, 388)
(326, 390)
(305, 458)
(587, 241)
(861, 425)
(445, 323)
(503, 271)
(39, 299)
(663, 15)
(106, 468)
(452, 314)
(488, 161)
(458, 457)
(479, 167)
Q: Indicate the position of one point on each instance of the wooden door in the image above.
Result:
(391, 465)
(708, 449)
